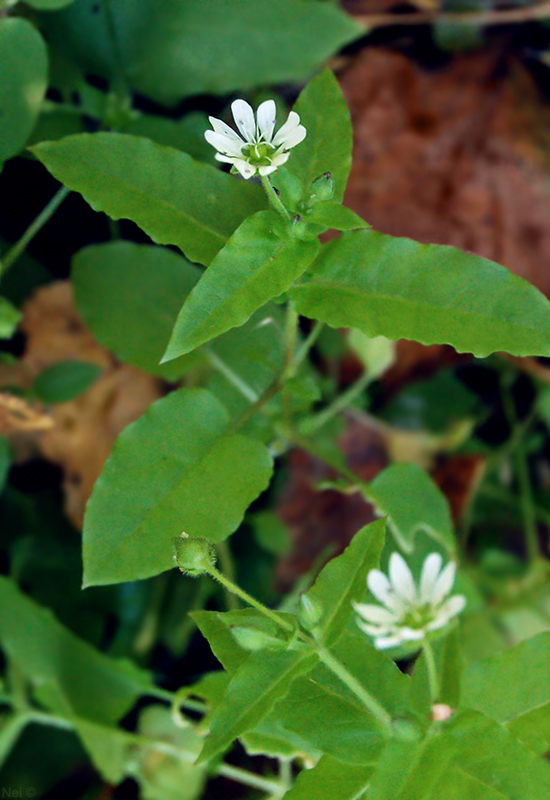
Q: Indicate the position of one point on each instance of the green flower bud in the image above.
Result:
(310, 611)
(193, 556)
(254, 639)
(322, 188)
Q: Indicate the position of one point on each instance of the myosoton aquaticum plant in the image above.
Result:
(249, 287)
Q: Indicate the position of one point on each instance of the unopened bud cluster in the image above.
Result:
(194, 557)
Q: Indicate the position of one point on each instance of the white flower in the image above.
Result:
(409, 612)
(258, 150)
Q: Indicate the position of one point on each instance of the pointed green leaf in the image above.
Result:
(172, 197)
(258, 683)
(98, 688)
(172, 49)
(176, 469)
(343, 580)
(513, 688)
(23, 82)
(154, 282)
(336, 217)
(65, 380)
(429, 293)
(413, 502)
(490, 755)
(327, 146)
(330, 779)
(254, 266)
(9, 318)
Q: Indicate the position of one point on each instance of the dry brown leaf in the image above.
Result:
(452, 156)
(84, 430)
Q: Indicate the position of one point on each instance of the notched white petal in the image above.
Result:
(382, 589)
(443, 584)
(220, 127)
(246, 169)
(376, 614)
(223, 143)
(244, 119)
(401, 578)
(430, 572)
(266, 119)
(293, 138)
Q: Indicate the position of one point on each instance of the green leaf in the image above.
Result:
(23, 82)
(376, 354)
(413, 502)
(153, 281)
(253, 691)
(327, 146)
(343, 580)
(9, 315)
(176, 469)
(330, 723)
(11, 730)
(271, 739)
(48, 5)
(173, 198)
(254, 266)
(245, 361)
(432, 294)
(5, 460)
(229, 653)
(171, 49)
(65, 380)
(513, 688)
(491, 756)
(98, 688)
(335, 217)
(330, 779)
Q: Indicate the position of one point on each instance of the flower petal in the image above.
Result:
(411, 635)
(225, 145)
(430, 571)
(382, 589)
(402, 579)
(266, 119)
(293, 138)
(443, 584)
(374, 630)
(220, 127)
(246, 169)
(267, 170)
(384, 642)
(291, 124)
(244, 119)
(225, 159)
(279, 158)
(376, 614)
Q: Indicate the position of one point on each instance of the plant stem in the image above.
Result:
(432, 670)
(274, 198)
(232, 587)
(340, 403)
(532, 545)
(307, 344)
(226, 560)
(291, 337)
(225, 770)
(378, 711)
(33, 229)
(248, 778)
(236, 381)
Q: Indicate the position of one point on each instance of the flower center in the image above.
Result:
(418, 617)
(259, 154)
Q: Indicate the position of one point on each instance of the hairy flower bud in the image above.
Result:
(193, 556)
(310, 611)
(322, 188)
